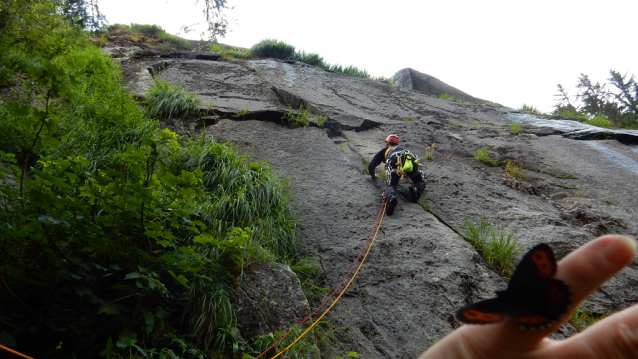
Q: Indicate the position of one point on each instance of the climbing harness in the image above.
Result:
(14, 352)
(374, 230)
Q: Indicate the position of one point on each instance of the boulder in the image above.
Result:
(268, 299)
(414, 80)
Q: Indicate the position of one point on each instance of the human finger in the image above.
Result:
(588, 267)
(583, 270)
(615, 336)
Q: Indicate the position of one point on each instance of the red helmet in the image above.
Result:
(392, 139)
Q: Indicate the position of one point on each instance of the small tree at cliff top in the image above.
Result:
(616, 100)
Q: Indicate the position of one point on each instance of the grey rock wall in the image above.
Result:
(419, 270)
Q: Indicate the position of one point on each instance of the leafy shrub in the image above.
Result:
(301, 119)
(169, 102)
(310, 59)
(274, 49)
(572, 113)
(115, 226)
(600, 121)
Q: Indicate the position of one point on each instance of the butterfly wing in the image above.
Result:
(538, 263)
(535, 299)
(545, 303)
(483, 312)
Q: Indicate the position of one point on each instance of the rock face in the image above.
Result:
(269, 298)
(414, 80)
(419, 270)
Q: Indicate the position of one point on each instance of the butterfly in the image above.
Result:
(532, 300)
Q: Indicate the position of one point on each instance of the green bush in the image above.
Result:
(112, 232)
(600, 121)
(273, 48)
(572, 113)
(311, 59)
(165, 101)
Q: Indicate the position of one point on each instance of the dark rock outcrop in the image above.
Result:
(268, 298)
(414, 80)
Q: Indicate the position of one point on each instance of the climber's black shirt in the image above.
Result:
(380, 157)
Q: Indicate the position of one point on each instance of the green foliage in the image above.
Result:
(229, 52)
(300, 119)
(582, 317)
(169, 102)
(311, 59)
(499, 249)
(320, 335)
(531, 109)
(241, 114)
(273, 48)
(158, 32)
(482, 155)
(446, 96)
(515, 127)
(572, 113)
(408, 120)
(115, 239)
(320, 120)
(514, 170)
(600, 121)
(616, 101)
(241, 194)
(429, 153)
(350, 71)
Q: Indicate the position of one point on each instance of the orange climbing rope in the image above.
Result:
(14, 352)
(374, 230)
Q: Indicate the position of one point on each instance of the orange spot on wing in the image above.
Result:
(477, 316)
(542, 262)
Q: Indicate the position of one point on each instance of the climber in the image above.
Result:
(399, 162)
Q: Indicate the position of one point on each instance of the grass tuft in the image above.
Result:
(515, 127)
(273, 48)
(499, 249)
(482, 155)
(582, 317)
(514, 170)
(169, 102)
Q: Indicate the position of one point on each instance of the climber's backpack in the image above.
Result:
(406, 160)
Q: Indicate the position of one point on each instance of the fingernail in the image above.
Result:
(630, 241)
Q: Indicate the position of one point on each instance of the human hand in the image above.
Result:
(583, 270)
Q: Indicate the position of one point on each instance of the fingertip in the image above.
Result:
(588, 267)
(618, 249)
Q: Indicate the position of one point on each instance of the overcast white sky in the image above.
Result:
(507, 51)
